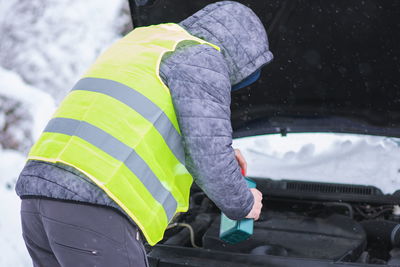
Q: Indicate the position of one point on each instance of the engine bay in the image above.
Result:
(292, 228)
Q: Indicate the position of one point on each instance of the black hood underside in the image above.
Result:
(336, 66)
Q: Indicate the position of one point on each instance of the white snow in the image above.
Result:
(326, 157)
(50, 43)
(40, 104)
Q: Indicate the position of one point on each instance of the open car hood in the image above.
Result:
(336, 69)
(336, 66)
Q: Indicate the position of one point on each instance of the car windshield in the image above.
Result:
(324, 157)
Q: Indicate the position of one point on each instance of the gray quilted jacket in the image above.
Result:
(200, 80)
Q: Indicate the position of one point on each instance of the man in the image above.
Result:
(118, 157)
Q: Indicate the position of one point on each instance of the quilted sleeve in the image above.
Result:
(198, 79)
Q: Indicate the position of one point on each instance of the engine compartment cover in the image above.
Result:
(336, 237)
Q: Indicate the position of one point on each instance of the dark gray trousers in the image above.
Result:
(64, 234)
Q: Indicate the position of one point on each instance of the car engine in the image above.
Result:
(299, 228)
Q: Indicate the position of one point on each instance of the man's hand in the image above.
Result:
(256, 210)
(242, 162)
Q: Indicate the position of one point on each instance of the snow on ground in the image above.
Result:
(338, 158)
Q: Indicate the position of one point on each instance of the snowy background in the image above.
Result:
(46, 45)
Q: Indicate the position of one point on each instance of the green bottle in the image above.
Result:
(232, 231)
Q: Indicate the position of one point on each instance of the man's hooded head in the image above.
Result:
(239, 33)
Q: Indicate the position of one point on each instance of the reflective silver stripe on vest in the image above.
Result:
(140, 104)
(119, 151)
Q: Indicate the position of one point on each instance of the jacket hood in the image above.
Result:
(239, 33)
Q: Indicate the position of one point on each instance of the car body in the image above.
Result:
(336, 70)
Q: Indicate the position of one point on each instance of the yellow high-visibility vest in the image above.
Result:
(118, 126)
